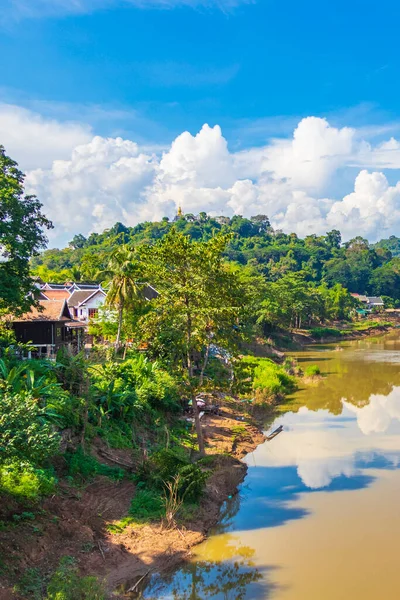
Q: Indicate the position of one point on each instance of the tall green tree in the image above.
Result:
(199, 304)
(22, 226)
(288, 302)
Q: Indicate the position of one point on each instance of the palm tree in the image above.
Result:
(123, 272)
(76, 273)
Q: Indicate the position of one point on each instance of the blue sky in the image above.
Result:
(149, 70)
(179, 67)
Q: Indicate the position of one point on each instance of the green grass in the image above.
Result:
(363, 325)
(238, 432)
(30, 585)
(24, 481)
(324, 332)
(147, 505)
(262, 374)
(272, 378)
(312, 371)
(117, 435)
(67, 584)
(84, 466)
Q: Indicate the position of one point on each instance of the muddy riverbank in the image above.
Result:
(75, 522)
(300, 339)
(152, 548)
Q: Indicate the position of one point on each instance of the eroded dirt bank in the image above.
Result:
(74, 522)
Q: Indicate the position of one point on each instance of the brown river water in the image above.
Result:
(318, 515)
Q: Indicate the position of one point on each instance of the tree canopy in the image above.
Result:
(22, 226)
(357, 265)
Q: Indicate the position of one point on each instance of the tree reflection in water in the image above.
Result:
(232, 577)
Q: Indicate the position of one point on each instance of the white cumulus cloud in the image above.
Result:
(104, 181)
(311, 157)
(87, 183)
(36, 140)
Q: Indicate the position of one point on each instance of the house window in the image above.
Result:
(58, 332)
(93, 312)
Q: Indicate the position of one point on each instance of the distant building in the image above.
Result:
(83, 299)
(359, 297)
(62, 315)
(149, 293)
(48, 328)
(56, 294)
(85, 304)
(370, 302)
(179, 214)
(375, 301)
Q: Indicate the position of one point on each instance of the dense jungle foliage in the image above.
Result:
(357, 265)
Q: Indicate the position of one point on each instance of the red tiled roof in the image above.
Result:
(53, 310)
(57, 294)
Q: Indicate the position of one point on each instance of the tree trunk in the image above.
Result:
(196, 415)
(84, 393)
(197, 422)
(120, 315)
(204, 366)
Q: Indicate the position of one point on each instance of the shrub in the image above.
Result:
(86, 466)
(64, 410)
(25, 481)
(161, 393)
(172, 501)
(147, 505)
(162, 466)
(312, 371)
(154, 479)
(262, 376)
(167, 463)
(191, 483)
(24, 430)
(30, 585)
(324, 332)
(271, 378)
(123, 391)
(66, 584)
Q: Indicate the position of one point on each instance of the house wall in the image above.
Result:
(94, 302)
(42, 332)
(36, 332)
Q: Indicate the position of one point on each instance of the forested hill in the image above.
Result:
(392, 244)
(357, 265)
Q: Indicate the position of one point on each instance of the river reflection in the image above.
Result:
(317, 517)
(231, 573)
